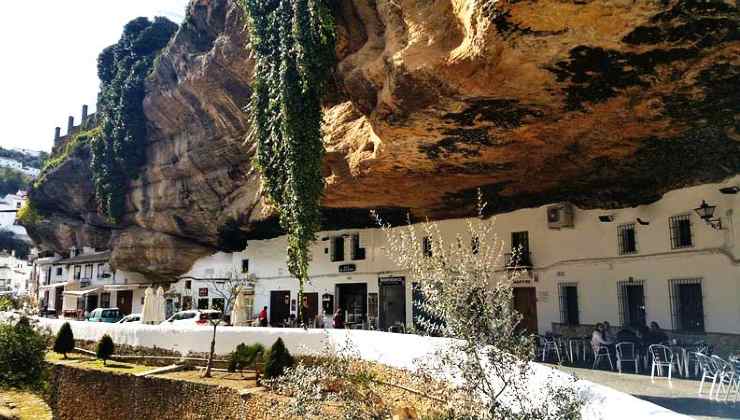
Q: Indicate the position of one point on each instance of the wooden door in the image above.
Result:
(392, 303)
(525, 302)
(279, 307)
(58, 300)
(124, 300)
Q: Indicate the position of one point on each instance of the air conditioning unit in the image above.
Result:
(560, 216)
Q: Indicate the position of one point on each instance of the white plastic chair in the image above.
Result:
(550, 346)
(601, 352)
(626, 353)
(708, 371)
(736, 365)
(726, 376)
(662, 356)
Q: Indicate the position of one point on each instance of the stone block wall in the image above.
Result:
(79, 394)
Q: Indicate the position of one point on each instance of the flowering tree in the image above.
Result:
(468, 297)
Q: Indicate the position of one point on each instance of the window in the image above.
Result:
(77, 272)
(627, 239)
(59, 271)
(245, 265)
(188, 284)
(357, 252)
(631, 302)
(47, 275)
(102, 271)
(687, 304)
(203, 303)
(569, 304)
(681, 232)
(520, 249)
(88, 271)
(337, 248)
(426, 246)
(217, 304)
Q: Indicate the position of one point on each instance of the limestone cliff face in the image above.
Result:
(602, 103)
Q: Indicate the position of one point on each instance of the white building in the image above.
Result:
(82, 281)
(14, 274)
(9, 205)
(659, 262)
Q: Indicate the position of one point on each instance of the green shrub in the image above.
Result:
(277, 360)
(7, 303)
(105, 348)
(65, 341)
(28, 215)
(245, 357)
(22, 352)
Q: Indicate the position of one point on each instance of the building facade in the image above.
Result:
(660, 262)
(75, 284)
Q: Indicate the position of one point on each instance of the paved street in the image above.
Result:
(680, 396)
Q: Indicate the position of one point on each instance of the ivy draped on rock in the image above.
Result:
(119, 151)
(293, 45)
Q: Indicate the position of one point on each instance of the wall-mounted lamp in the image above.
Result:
(706, 212)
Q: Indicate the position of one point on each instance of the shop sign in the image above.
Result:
(347, 268)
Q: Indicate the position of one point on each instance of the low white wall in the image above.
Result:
(396, 350)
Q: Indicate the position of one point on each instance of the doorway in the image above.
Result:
(92, 303)
(632, 305)
(525, 302)
(312, 306)
(352, 298)
(279, 307)
(124, 299)
(392, 302)
(58, 300)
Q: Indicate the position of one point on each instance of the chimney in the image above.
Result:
(70, 124)
(57, 134)
(84, 115)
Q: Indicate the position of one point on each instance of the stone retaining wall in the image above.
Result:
(80, 394)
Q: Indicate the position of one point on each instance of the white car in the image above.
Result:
(131, 319)
(194, 317)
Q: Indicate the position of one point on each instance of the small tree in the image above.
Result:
(229, 289)
(105, 348)
(65, 340)
(278, 359)
(22, 351)
(245, 356)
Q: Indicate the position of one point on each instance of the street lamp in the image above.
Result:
(706, 212)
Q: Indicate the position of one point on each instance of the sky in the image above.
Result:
(48, 60)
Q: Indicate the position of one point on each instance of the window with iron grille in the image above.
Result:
(569, 304)
(631, 294)
(681, 234)
(475, 245)
(520, 249)
(627, 238)
(426, 246)
(687, 304)
(245, 265)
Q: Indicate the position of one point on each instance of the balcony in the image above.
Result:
(518, 261)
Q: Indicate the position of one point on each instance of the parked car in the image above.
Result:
(194, 317)
(131, 319)
(105, 315)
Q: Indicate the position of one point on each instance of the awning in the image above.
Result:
(49, 286)
(80, 292)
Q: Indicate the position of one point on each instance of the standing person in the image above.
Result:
(305, 317)
(263, 317)
(338, 321)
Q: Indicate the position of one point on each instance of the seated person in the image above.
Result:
(597, 338)
(657, 336)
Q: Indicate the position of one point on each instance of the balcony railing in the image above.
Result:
(519, 260)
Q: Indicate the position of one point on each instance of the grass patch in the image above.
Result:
(69, 148)
(88, 362)
(28, 406)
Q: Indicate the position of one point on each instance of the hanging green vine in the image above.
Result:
(293, 45)
(118, 152)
